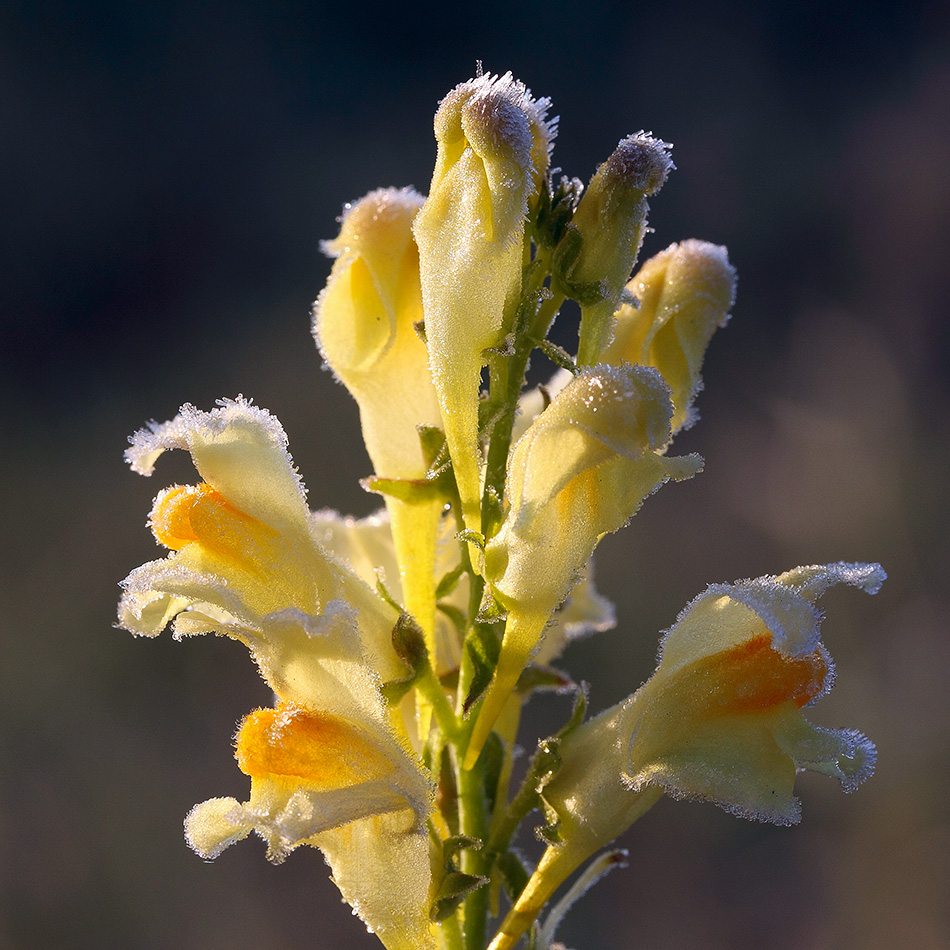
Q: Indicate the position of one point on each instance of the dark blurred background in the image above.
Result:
(168, 171)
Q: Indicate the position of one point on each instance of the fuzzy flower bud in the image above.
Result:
(600, 249)
(363, 324)
(491, 135)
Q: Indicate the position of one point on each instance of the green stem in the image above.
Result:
(473, 822)
(510, 375)
(428, 684)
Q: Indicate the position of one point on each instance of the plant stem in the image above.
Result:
(473, 822)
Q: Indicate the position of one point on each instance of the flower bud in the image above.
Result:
(607, 230)
(683, 294)
(491, 137)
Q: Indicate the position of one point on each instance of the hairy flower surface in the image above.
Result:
(682, 295)
(246, 563)
(720, 720)
(366, 323)
(402, 647)
(491, 135)
(581, 470)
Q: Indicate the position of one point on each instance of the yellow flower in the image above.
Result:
(244, 561)
(720, 719)
(582, 469)
(327, 766)
(320, 780)
(493, 139)
(683, 294)
(365, 324)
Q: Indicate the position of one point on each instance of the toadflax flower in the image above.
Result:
(720, 719)
(582, 469)
(682, 295)
(246, 563)
(493, 138)
(365, 323)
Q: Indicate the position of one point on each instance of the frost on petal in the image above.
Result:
(726, 615)
(682, 294)
(581, 470)
(470, 233)
(216, 824)
(240, 450)
(738, 667)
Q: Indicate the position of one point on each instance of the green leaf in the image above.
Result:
(534, 677)
(514, 875)
(411, 490)
(577, 713)
(558, 356)
(432, 439)
(482, 648)
(449, 582)
(453, 887)
(451, 847)
(473, 537)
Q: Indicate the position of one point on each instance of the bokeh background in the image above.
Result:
(168, 171)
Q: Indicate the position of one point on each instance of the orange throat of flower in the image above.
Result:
(294, 744)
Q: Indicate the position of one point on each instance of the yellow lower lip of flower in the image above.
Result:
(298, 745)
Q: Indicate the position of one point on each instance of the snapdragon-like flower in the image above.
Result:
(720, 719)
(581, 470)
(322, 780)
(682, 295)
(492, 140)
(245, 562)
(366, 323)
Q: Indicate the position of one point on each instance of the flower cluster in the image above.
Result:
(401, 648)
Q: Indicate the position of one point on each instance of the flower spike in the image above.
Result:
(401, 648)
